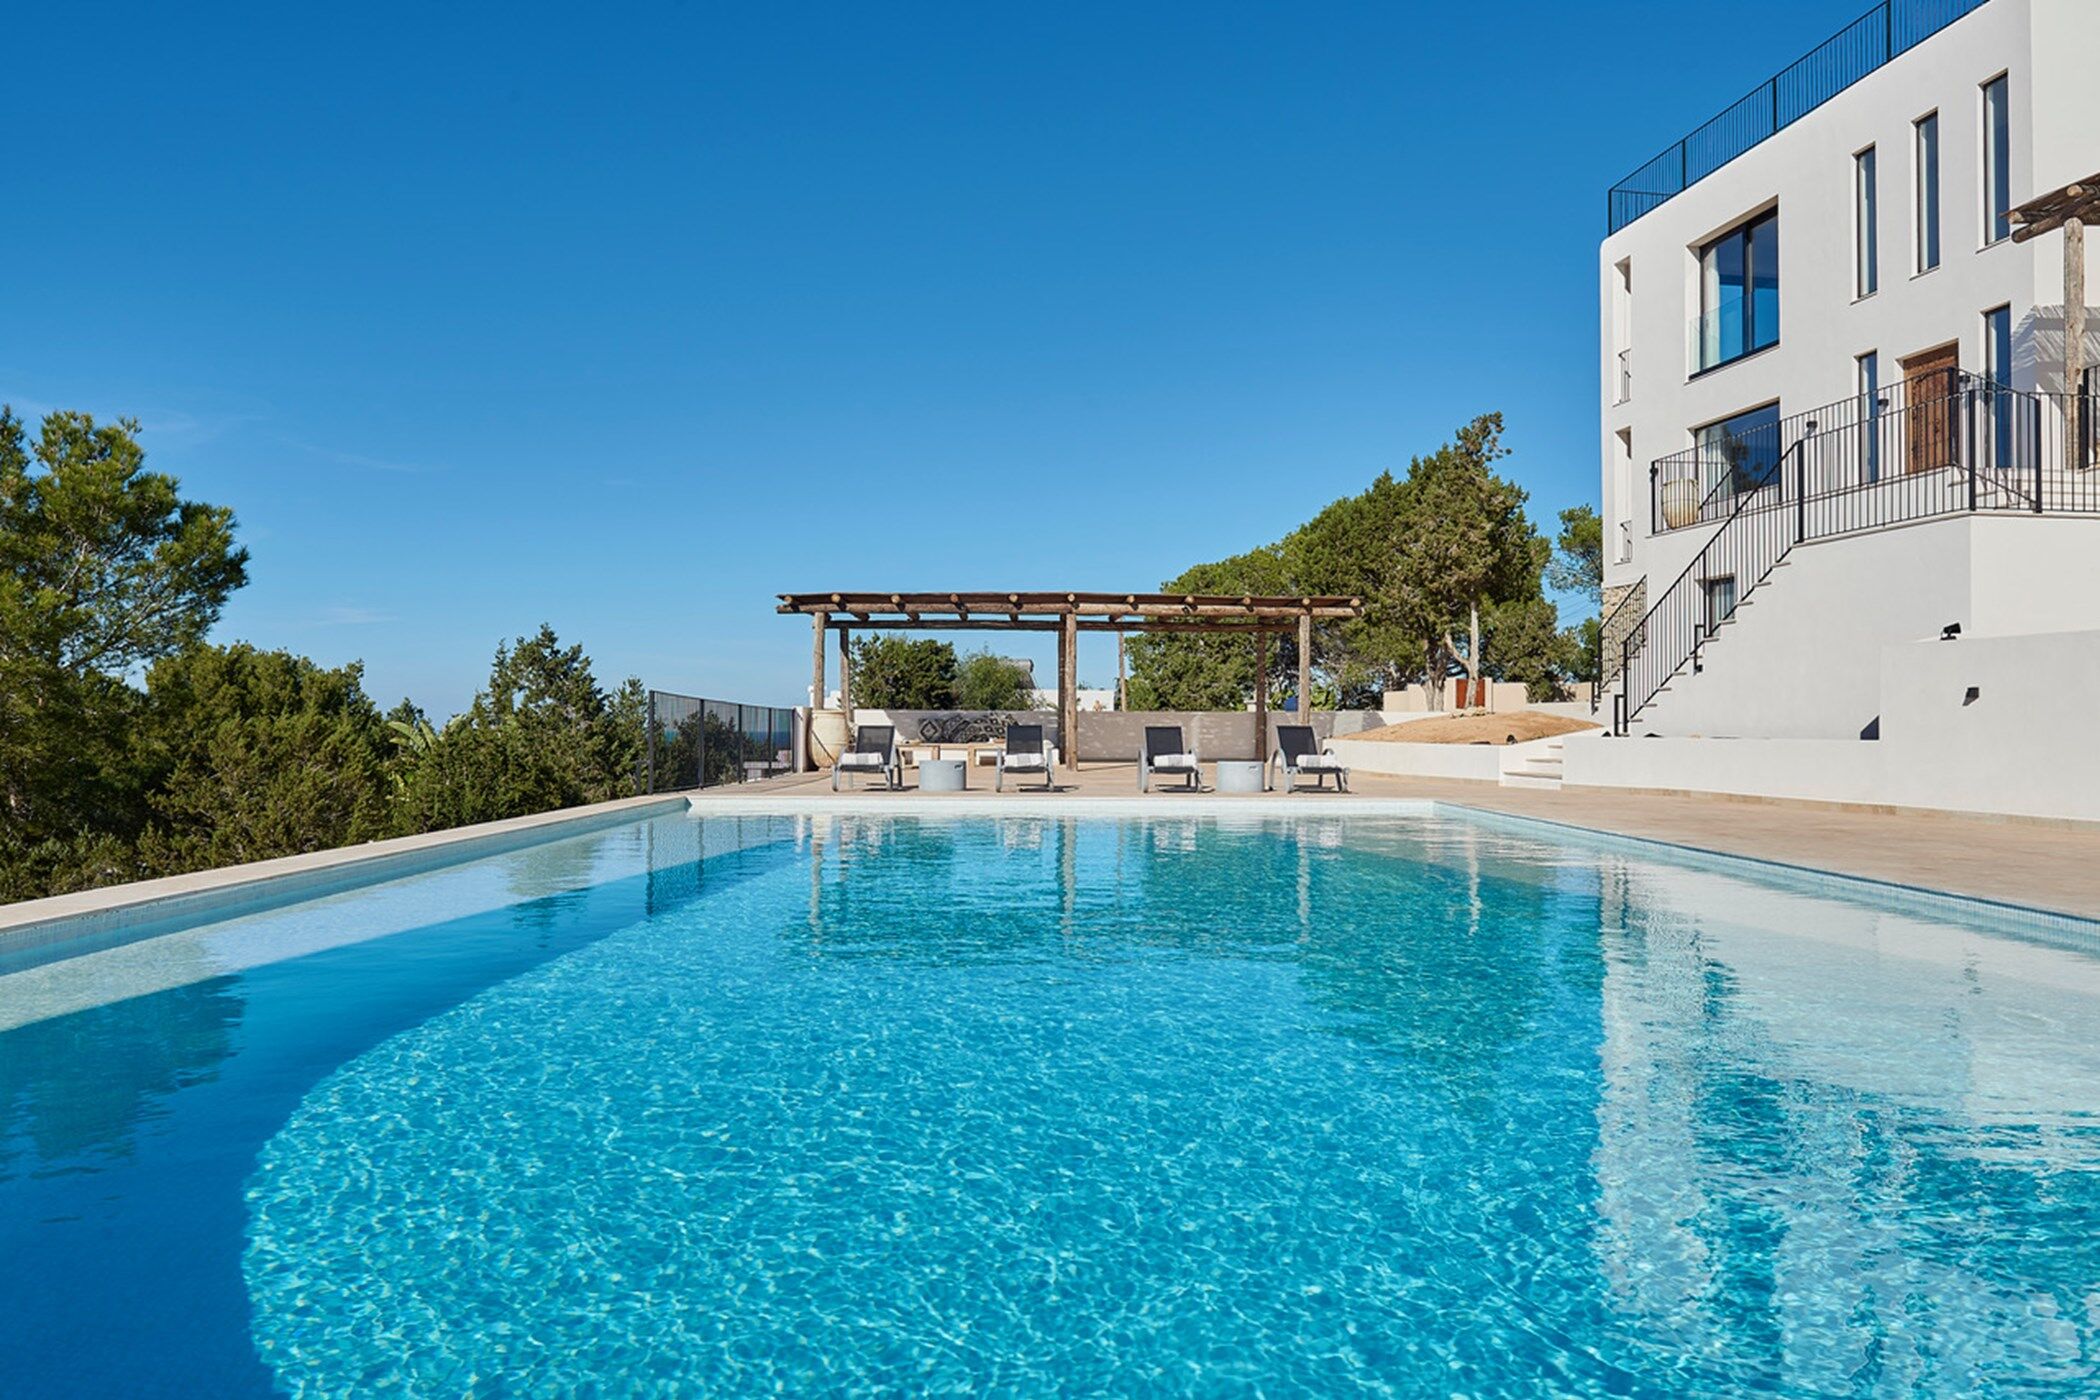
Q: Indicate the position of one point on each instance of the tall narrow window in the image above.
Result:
(1867, 375)
(1928, 182)
(1738, 293)
(1622, 495)
(1997, 162)
(1997, 368)
(1622, 331)
(1866, 231)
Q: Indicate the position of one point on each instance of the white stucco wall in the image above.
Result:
(2022, 747)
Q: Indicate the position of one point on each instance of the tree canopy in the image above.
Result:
(904, 673)
(130, 746)
(1449, 568)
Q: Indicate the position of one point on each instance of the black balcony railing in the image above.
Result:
(1862, 46)
(1901, 430)
(1980, 447)
(696, 743)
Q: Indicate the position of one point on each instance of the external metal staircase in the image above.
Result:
(1964, 446)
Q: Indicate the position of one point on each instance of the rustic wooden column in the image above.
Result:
(2074, 337)
(1122, 683)
(816, 689)
(846, 678)
(1068, 691)
(1261, 696)
(1305, 668)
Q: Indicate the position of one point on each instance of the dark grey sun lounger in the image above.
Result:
(874, 751)
(1024, 752)
(1165, 753)
(1302, 757)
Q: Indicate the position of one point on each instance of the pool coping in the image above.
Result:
(1910, 898)
(219, 892)
(35, 922)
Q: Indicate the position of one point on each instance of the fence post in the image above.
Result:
(1622, 702)
(1801, 488)
(1968, 439)
(2037, 448)
(649, 722)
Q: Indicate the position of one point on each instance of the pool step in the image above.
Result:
(1536, 768)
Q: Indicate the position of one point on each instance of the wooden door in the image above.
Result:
(1932, 415)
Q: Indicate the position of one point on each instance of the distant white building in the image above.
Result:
(1834, 408)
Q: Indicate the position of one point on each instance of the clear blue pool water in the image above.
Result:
(1398, 1105)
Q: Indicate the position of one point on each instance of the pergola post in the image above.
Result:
(2074, 338)
(2070, 208)
(1305, 668)
(846, 678)
(1261, 696)
(1068, 691)
(816, 688)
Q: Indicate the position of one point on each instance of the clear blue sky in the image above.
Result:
(597, 315)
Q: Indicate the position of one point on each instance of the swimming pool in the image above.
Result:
(1419, 1103)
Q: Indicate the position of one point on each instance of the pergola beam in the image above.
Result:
(1070, 614)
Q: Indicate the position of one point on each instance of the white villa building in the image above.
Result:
(1836, 428)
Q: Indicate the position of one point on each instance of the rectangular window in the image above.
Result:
(1997, 369)
(1927, 174)
(1867, 376)
(1738, 455)
(1720, 601)
(1622, 331)
(1997, 162)
(1622, 494)
(1738, 293)
(1866, 231)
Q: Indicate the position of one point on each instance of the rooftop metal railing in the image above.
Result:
(1888, 30)
(697, 743)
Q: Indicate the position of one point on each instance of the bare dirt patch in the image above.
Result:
(1518, 726)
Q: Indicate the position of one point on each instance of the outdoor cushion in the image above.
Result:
(862, 760)
(1319, 760)
(1024, 760)
(1173, 760)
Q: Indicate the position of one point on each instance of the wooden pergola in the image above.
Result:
(2070, 208)
(1068, 615)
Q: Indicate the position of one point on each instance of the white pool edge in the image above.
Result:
(33, 922)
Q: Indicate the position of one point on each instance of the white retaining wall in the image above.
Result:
(2022, 747)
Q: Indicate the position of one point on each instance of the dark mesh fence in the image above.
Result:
(696, 743)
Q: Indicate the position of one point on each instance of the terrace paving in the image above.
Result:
(2053, 866)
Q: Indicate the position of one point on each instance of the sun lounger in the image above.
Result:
(1025, 752)
(874, 751)
(1302, 757)
(1165, 753)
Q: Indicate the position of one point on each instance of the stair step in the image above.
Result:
(1530, 780)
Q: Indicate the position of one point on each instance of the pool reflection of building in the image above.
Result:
(1817, 1120)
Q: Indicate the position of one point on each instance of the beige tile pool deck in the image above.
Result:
(2053, 866)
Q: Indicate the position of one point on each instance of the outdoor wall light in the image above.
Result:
(1950, 631)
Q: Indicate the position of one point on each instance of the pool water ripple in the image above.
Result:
(1015, 1107)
